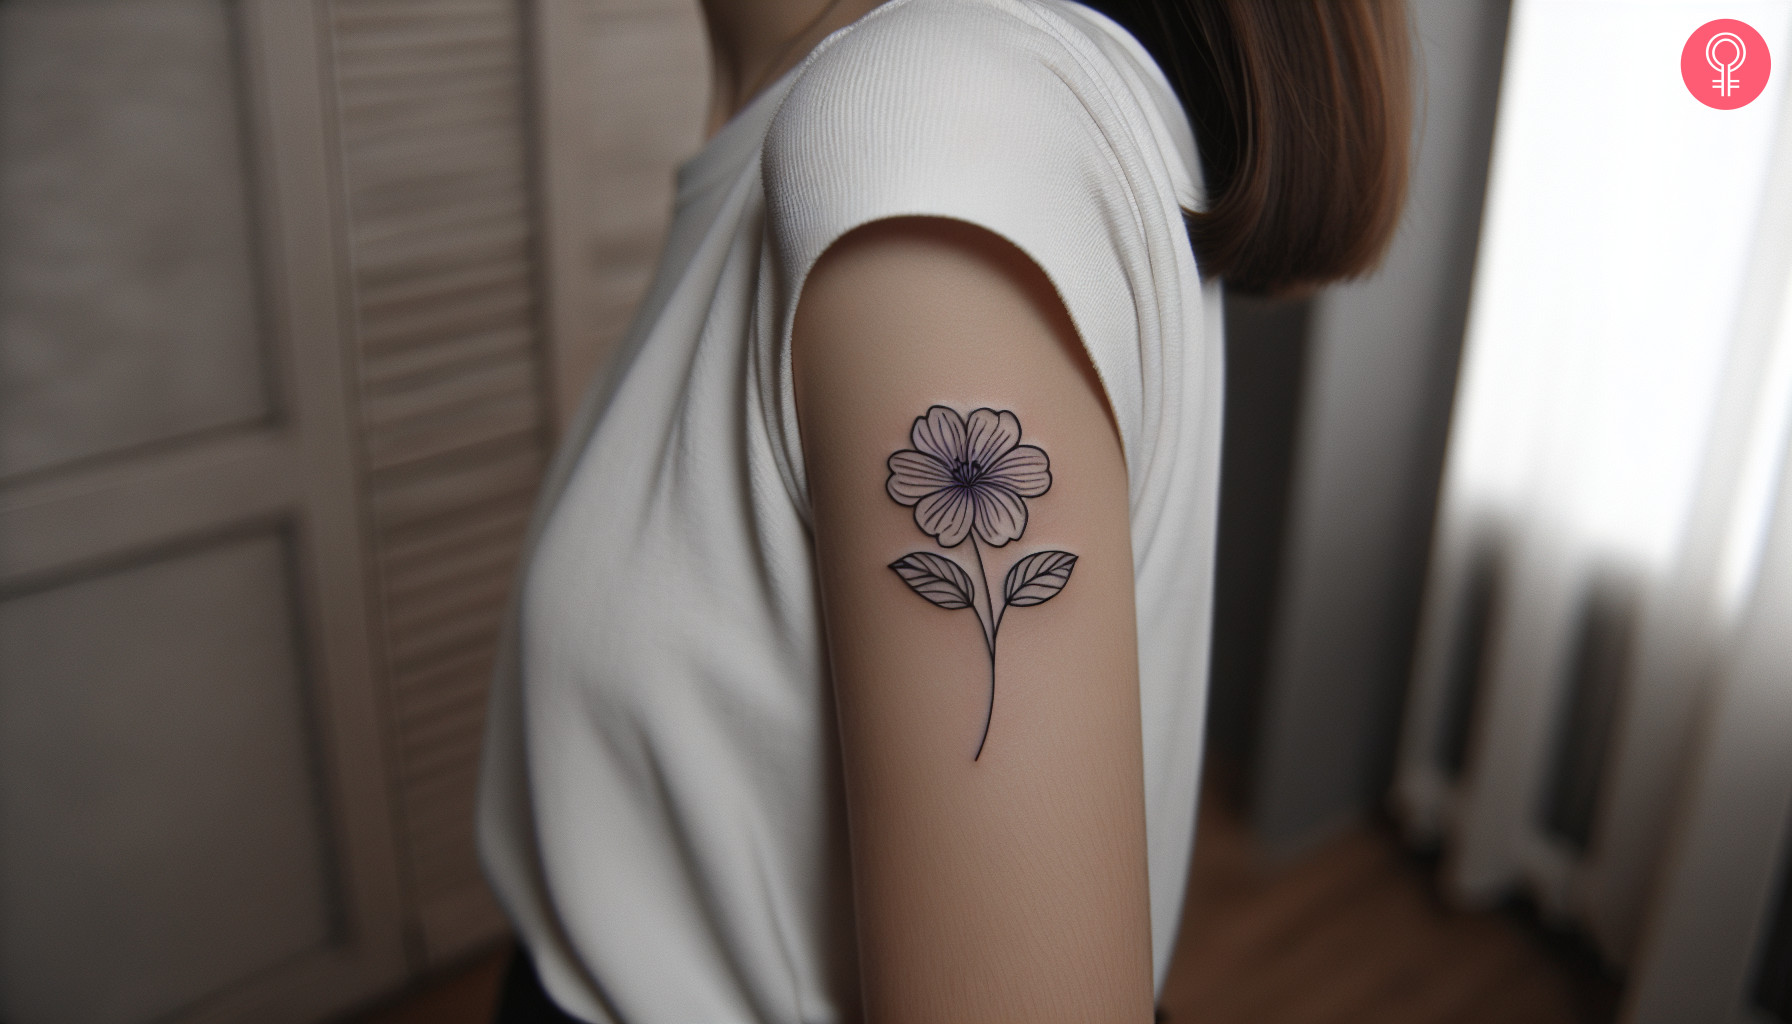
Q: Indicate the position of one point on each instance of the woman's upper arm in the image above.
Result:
(999, 849)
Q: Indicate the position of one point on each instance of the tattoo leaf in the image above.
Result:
(1037, 578)
(937, 578)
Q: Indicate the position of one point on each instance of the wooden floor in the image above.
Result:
(1355, 932)
(465, 996)
(1352, 932)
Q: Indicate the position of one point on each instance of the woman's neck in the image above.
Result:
(753, 42)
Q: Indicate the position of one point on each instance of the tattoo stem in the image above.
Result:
(990, 621)
(986, 615)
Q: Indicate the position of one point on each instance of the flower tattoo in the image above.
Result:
(962, 476)
(969, 477)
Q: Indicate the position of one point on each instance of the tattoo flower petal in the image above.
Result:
(988, 434)
(946, 515)
(1025, 469)
(940, 434)
(964, 475)
(1001, 515)
(914, 475)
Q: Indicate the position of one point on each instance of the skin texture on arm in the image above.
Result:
(998, 847)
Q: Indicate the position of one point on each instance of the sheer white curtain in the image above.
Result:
(1718, 941)
(1620, 426)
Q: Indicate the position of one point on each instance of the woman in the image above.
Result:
(860, 662)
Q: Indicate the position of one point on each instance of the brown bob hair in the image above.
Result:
(1302, 112)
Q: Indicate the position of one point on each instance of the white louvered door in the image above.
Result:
(447, 361)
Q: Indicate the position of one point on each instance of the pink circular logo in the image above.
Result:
(1725, 64)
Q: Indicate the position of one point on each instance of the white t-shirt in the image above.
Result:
(661, 810)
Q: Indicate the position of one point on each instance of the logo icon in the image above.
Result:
(1726, 79)
(1725, 64)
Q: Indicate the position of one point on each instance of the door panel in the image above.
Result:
(166, 700)
(193, 785)
(128, 306)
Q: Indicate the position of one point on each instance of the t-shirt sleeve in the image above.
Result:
(987, 114)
